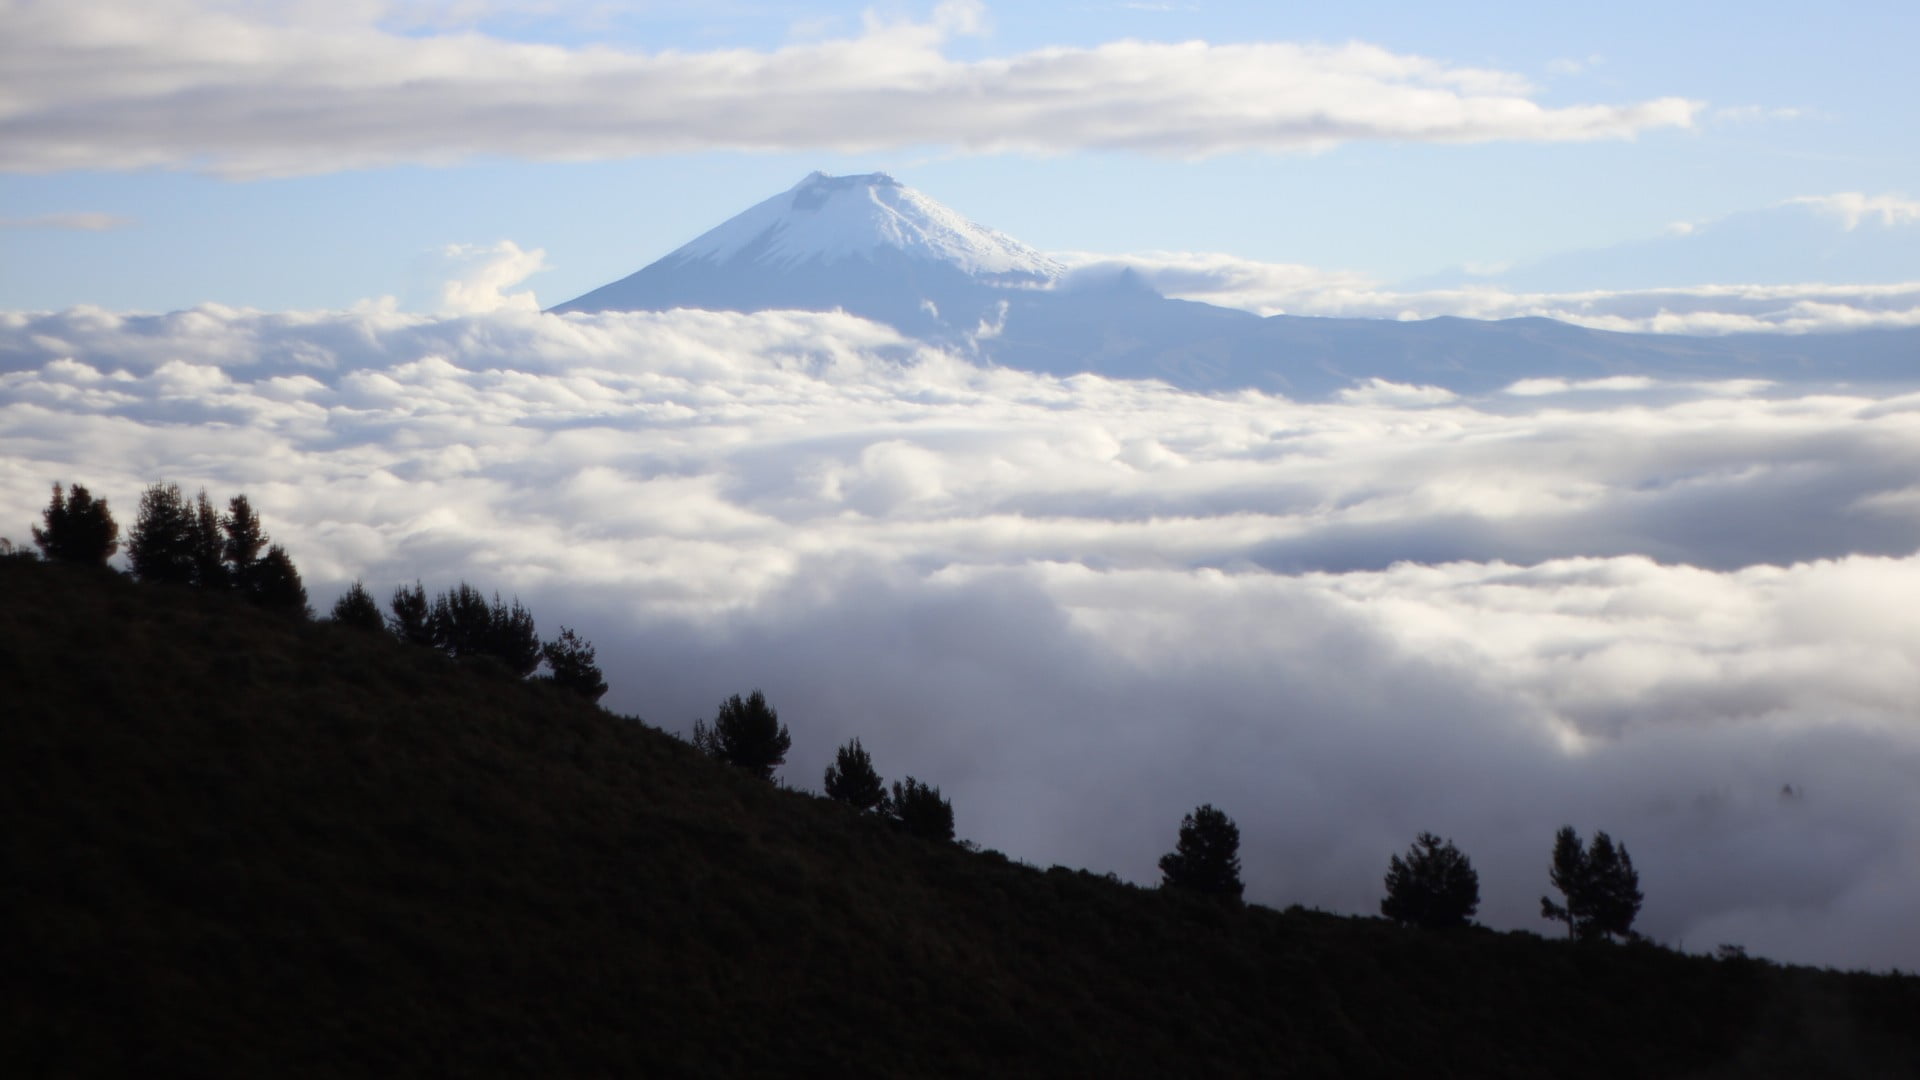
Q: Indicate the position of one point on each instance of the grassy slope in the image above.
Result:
(237, 845)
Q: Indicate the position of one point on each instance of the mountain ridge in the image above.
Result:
(239, 843)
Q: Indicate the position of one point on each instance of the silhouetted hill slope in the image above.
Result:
(231, 844)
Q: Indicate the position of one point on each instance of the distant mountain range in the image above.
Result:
(873, 247)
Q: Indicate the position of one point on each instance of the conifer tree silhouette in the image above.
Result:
(919, 809)
(570, 665)
(1434, 886)
(79, 528)
(851, 778)
(746, 734)
(356, 608)
(1207, 858)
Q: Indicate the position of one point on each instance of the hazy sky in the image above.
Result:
(155, 154)
(298, 250)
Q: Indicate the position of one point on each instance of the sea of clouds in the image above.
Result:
(1682, 613)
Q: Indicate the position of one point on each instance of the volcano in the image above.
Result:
(873, 247)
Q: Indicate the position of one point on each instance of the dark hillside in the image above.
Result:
(236, 844)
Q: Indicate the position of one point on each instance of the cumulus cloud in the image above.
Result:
(1291, 289)
(81, 221)
(288, 88)
(1083, 606)
(483, 273)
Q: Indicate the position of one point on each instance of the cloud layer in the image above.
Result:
(1288, 289)
(290, 88)
(1680, 613)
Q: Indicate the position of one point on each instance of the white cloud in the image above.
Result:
(1852, 207)
(285, 89)
(1289, 289)
(1084, 606)
(81, 221)
(484, 273)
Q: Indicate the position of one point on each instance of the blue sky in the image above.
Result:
(228, 162)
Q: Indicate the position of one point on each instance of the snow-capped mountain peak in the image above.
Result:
(828, 219)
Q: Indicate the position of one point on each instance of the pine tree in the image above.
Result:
(745, 734)
(79, 529)
(570, 665)
(1601, 887)
(244, 537)
(356, 608)
(1617, 898)
(511, 637)
(919, 809)
(412, 618)
(851, 779)
(209, 547)
(161, 545)
(1433, 887)
(1569, 875)
(275, 584)
(1207, 858)
(461, 622)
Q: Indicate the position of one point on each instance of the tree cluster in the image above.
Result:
(918, 809)
(463, 623)
(175, 541)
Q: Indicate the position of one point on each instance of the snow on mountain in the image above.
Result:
(826, 219)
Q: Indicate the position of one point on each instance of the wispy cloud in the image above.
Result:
(294, 88)
(81, 221)
(1084, 606)
(1853, 208)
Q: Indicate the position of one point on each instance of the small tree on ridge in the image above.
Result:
(745, 734)
(1433, 887)
(79, 529)
(1599, 884)
(919, 809)
(1207, 857)
(851, 778)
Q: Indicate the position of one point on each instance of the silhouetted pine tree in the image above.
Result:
(512, 639)
(275, 584)
(570, 664)
(745, 734)
(412, 618)
(1569, 875)
(1207, 857)
(851, 778)
(356, 608)
(1433, 887)
(1617, 897)
(1601, 887)
(209, 547)
(919, 809)
(241, 550)
(161, 544)
(79, 528)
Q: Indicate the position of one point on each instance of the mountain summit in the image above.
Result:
(827, 219)
(865, 243)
